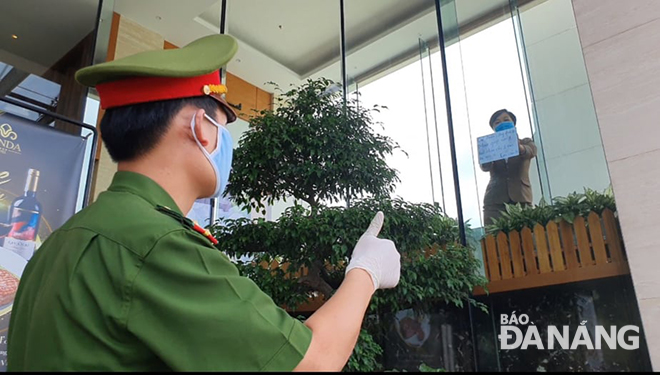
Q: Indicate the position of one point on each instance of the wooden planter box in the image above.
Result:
(554, 254)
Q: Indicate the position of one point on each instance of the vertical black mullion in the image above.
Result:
(344, 74)
(223, 28)
(454, 163)
(97, 24)
(223, 16)
(450, 126)
(92, 157)
(342, 33)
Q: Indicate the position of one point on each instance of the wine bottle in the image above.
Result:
(24, 217)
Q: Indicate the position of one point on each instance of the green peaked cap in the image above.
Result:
(201, 56)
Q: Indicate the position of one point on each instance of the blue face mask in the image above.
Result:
(504, 126)
(220, 158)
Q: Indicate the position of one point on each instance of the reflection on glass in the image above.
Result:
(31, 90)
(561, 100)
(388, 59)
(37, 66)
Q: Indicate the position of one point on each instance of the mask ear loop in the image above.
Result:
(208, 156)
(217, 139)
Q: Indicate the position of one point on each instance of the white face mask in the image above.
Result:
(221, 156)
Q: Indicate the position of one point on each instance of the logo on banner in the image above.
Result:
(8, 140)
(514, 337)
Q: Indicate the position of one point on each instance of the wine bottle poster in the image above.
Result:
(40, 170)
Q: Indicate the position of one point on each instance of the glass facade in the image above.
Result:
(442, 69)
(526, 57)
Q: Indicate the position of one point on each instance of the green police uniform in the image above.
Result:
(128, 285)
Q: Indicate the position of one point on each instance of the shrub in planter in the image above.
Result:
(517, 217)
(317, 148)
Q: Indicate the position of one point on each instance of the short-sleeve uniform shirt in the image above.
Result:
(124, 287)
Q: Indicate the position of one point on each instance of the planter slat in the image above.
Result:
(542, 249)
(493, 262)
(597, 238)
(555, 247)
(516, 255)
(485, 258)
(528, 249)
(568, 245)
(505, 259)
(613, 238)
(584, 247)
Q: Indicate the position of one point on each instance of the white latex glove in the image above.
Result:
(377, 256)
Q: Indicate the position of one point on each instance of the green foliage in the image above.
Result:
(598, 202)
(302, 237)
(424, 368)
(517, 217)
(313, 147)
(421, 285)
(365, 355)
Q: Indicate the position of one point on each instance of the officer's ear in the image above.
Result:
(198, 130)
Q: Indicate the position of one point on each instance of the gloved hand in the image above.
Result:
(377, 256)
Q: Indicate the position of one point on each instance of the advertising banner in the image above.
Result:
(40, 170)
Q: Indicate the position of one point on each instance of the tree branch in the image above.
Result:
(314, 280)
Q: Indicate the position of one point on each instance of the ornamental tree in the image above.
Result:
(317, 149)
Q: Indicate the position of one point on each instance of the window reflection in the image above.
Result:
(31, 90)
(37, 66)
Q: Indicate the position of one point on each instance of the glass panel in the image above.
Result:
(282, 42)
(389, 63)
(393, 60)
(525, 56)
(435, 119)
(42, 44)
(561, 98)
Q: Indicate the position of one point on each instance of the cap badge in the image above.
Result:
(214, 89)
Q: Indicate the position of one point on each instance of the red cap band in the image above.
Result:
(136, 90)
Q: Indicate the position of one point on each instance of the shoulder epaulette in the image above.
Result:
(187, 223)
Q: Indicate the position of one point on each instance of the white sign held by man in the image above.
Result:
(498, 146)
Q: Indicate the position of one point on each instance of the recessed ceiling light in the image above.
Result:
(14, 36)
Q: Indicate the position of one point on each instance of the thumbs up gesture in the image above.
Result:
(377, 256)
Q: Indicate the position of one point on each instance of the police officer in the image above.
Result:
(130, 284)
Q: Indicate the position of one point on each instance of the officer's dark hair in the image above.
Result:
(500, 112)
(133, 130)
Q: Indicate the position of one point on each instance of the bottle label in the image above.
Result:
(21, 238)
(22, 248)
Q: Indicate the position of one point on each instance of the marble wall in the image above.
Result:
(620, 45)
